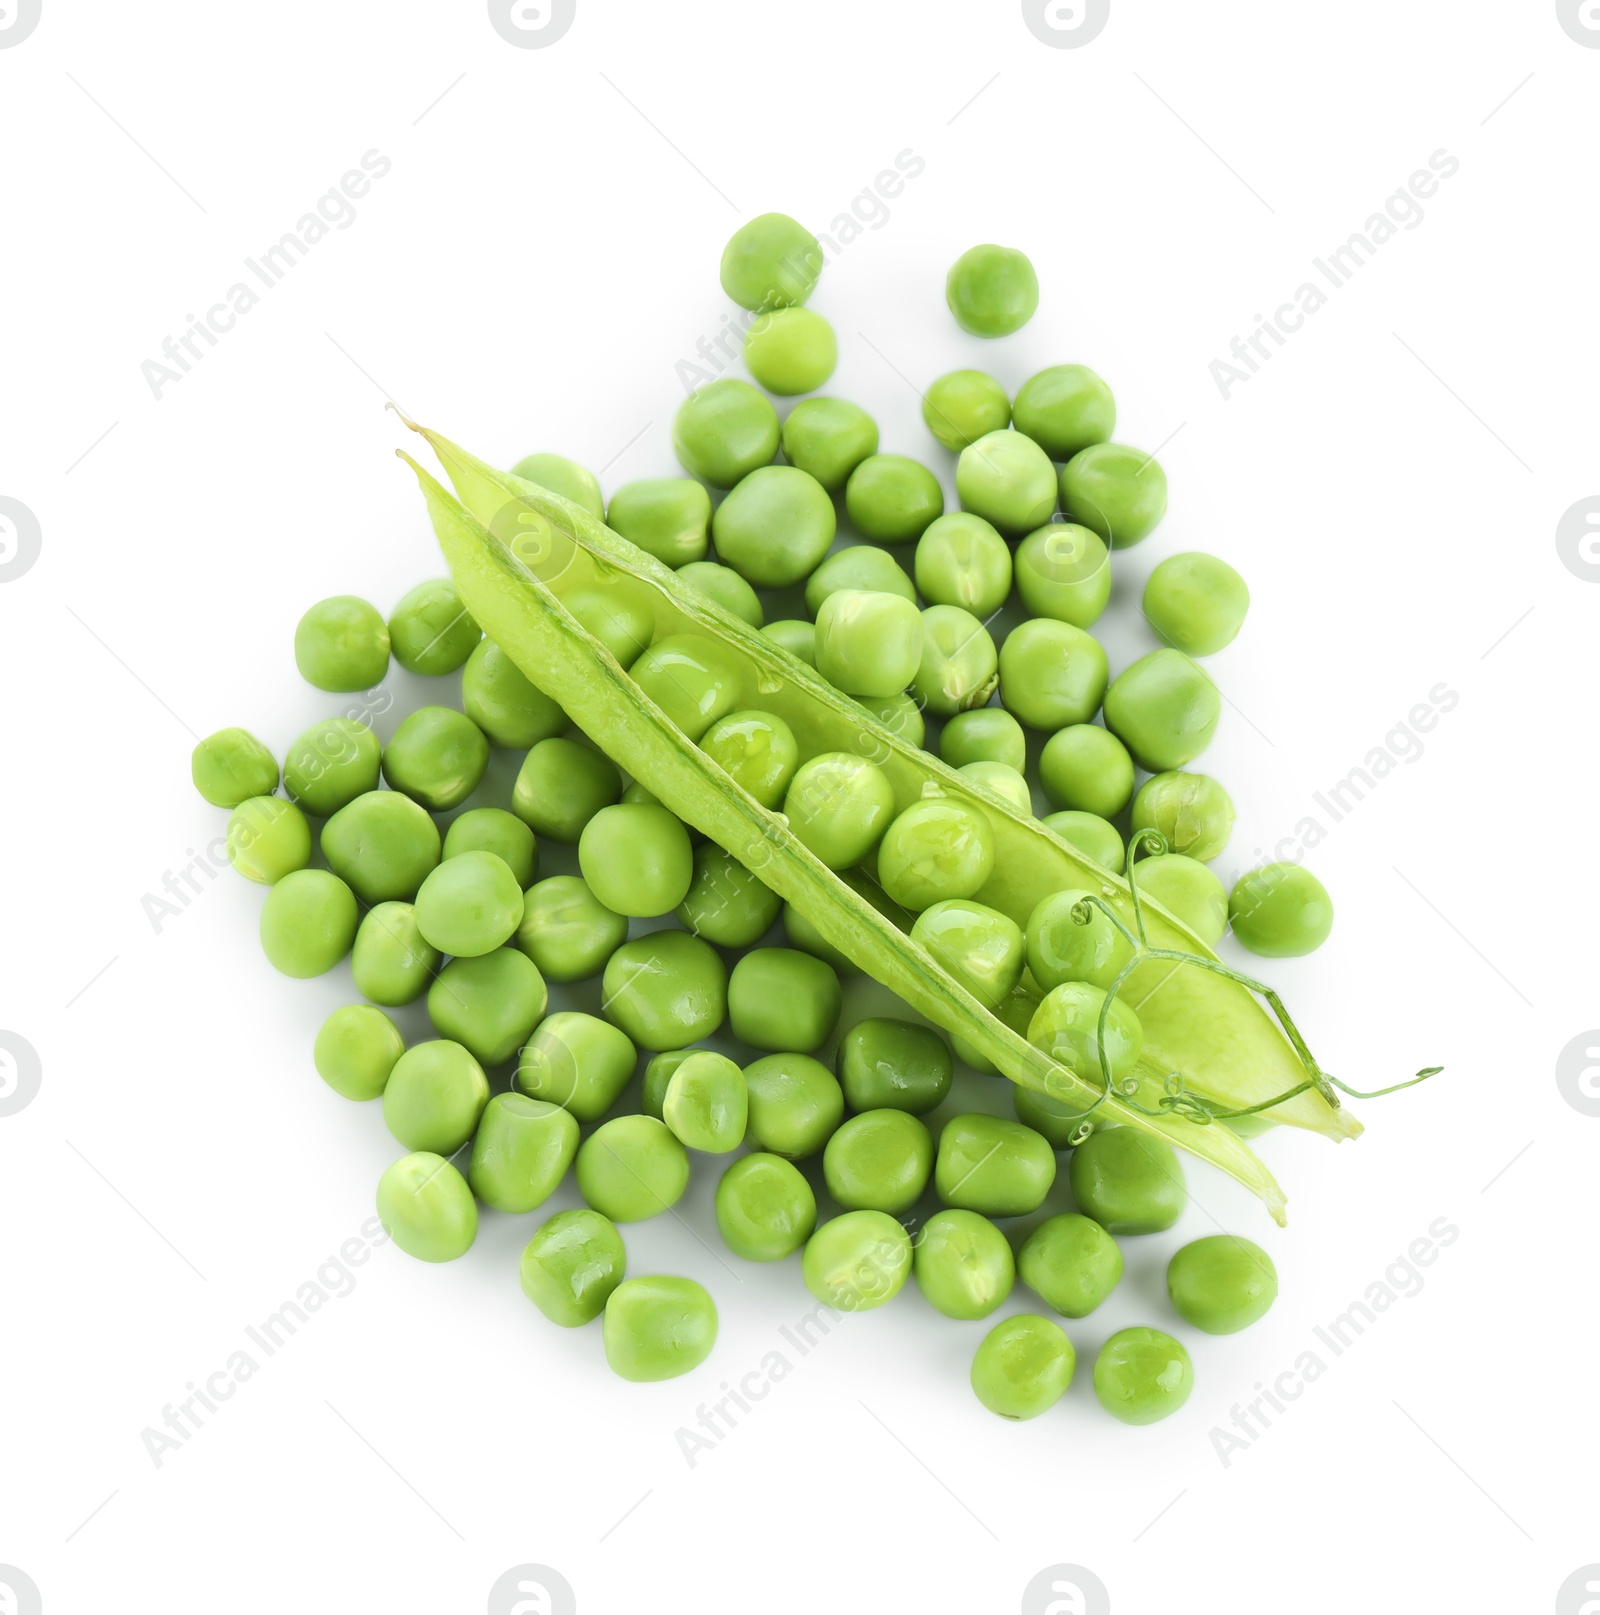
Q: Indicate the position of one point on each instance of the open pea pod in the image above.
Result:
(506, 588)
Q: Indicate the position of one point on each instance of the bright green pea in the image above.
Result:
(1192, 811)
(937, 849)
(723, 431)
(726, 587)
(795, 1104)
(858, 1261)
(437, 756)
(383, 844)
(1066, 1025)
(1280, 911)
(773, 261)
(963, 406)
(566, 930)
(1063, 571)
(962, 561)
(268, 838)
(521, 1153)
(959, 667)
(984, 735)
(858, 566)
(666, 990)
(775, 526)
(1222, 1284)
(426, 1208)
(342, 644)
(231, 766)
(894, 1065)
(1002, 780)
(891, 500)
(658, 1073)
(986, 1164)
(619, 613)
(963, 1264)
(992, 291)
(1008, 480)
(868, 644)
(430, 631)
(1052, 674)
(307, 922)
(791, 350)
(725, 903)
(765, 1209)
(797, 636)
(658, 1328)
(494, 830)
(1061, 948)
(637, 860)
(781, 999)
(1117, 492)
(561, 786)
(331, 764)
(391, 962)
(1064, 410)
(434, 1097)
(981, 947)
(469, 905)
(839, 805)
(489, 1004)
(1071, 1263)
(576, 1061)
(1142, 1375)
(504, 704)
(1187, 890)
(1023, 1367)
(1086, 768)
(1164, 709)
(1090, 834)
(1196, 602)
(1053, 1118)
(667, 517)
(691, 677)
(706, 1103)
(631, 1168)
(899, 714)
(1127, 1180)
(356, 1050)
(565, 478)
(879, 1161)
(829, 438)
(757, 750)
(571, 1266)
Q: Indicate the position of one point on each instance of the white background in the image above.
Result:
(542, 254)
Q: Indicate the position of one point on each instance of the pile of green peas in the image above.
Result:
(441, 898)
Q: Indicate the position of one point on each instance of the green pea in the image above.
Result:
(566, 930)
(692, 678)
(1052, 674)
(391, 962)
(795, 1104)
(726, 587)
(1222, 1284)
(765, 1209)
(757, 750)
(894, 1065)
(963, 406)
(504, 703)
(1187, 890)
(426, 1208)
(781, 999)
(561, 786)
(1086, 768)
(434, 1097)
(868, 644)
(1280, 911)
(1064, 410)
(667, 517)
(232, 766)
(963, 1264)
(858, 1261)
(839, 805)
(619, 613)
(1056, 1121)
(521, 1152)
(1090, 834)
(1063, 571)
(658, 1328)
(1071, 1263)
(791, 350)
(797, 636)
(307, 922)
(666, 990)
(773, 261)
(775, 526)
(1066, 1024)
(1001, 780)
(556, 474)
(494, 830)
(1164, 709)
(984, 735)
(959, 667)
(469, 905)
(1008, 480)
(631, 1168)
(578, 1062)
(430, 631)
(1192, 811)
(571, 1266)
(637, 860)
(706, 1103)
(981, 947)
(268, 838)
(331, 764)
(1117, 492)
(1127, 1180)
(878, 1161)
(356, 1050)
(829, 438)
(891, 500)
(937, 849)
(725, 903)
(1023, 1367)
(858, 566)
(383, 845)
(1142, 1375)
(489, 1004)
(992, 291)
(962, 561)
(899, 714)
(1196, 602)
(658, 1074)
(342, 644)
(1000, 1168)
(436, 756)
(1063, 948)
(723, 431)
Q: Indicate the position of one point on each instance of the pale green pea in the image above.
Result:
(342, 644)
(858, 566)
(576, 1061)
(879, 1161)
(666, 990)
(765, 1209)
(631, 1168)
(795, 1104)
(383, 845)
(1196, 602)
(706, 1103)
(268, 838)
(1071, 1263)
(391, 962)
(781, 999)
(307, 922)
(1023, 1367)
(1164, 709)
(1222, 1283)
(356, 1049)
(984, 735)
(1116, 491)
(437, 756)
(561, 786)
(1128, 1181)
(791, 350)
(981, 947)
(839, 805)
(521, 1152)
(991, 290)
(899, 714)
(1090, 834)
(1142, 1376)
(868, 644)
(1008, 480)
(232, 766)
(723, 431)
(566, 930)
(773, 528)
(1086, 768)
(658, 1328)
(725, 903)
(667, 517)
(504, 703)
(1063, 571)
(430, 631)
(797, 636)
(963, 1264)
(331, 764)
(1187, 890)
(1192, 811)
(1061, 948)
(891, 500)
(636, 859)
(963, 406)
(571, 1265)
(757, 750)
(829, 438)
(1052, 674)
(691, 677)
(489, 1004)
(959, 667)
(858, 1261)
(962, 561)
(726, 587)
(772, 261)
(1066, 1027)
(1279, 911)
(426, 1207)
(619, 613)
(566, 478)
(494, 830)
(434, 1097)
(986, 1164)
(1001, 780)
(469, 905)
(1065, 409)
(937, 849)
